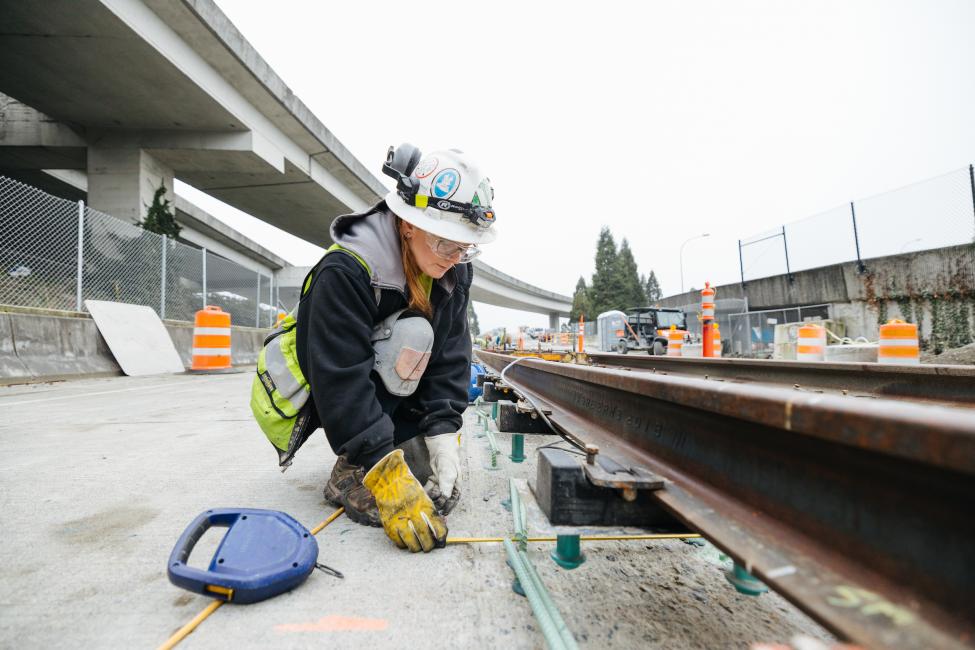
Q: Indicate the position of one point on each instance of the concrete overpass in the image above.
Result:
(135, 93)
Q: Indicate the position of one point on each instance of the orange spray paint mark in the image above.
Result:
(336, 624)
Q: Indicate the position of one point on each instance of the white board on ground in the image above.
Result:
(136, 337)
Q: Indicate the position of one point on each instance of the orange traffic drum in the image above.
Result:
(211, 339)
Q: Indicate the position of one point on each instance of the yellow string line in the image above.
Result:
(184, 631)
(335, 515)
(584, 538)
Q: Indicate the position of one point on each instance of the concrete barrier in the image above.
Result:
(11, 367)
(36, 345)
(52, 347)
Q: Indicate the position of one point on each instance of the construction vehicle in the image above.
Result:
(638, 329)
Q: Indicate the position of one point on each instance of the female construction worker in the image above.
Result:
(378, 351)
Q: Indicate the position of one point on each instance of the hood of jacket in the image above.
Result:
(372, 235)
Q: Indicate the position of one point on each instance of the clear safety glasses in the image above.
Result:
(451, 250)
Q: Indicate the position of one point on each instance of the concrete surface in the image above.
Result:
(93, 500)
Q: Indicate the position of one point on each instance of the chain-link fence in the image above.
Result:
(752, 334)
(935, 213)
(55, 254)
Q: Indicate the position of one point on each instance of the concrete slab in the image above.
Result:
(92, 501)
(136, 337)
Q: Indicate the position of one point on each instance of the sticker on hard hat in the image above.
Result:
(426, 167)
(445, 184)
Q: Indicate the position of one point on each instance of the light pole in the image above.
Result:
(701, 236)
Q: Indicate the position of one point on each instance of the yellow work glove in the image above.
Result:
(407, 513)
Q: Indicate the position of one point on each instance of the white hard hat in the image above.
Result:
(443, 193)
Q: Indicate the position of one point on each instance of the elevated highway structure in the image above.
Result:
(135, 93)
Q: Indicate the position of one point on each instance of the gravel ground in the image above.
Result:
(964, 355)
(661, 594)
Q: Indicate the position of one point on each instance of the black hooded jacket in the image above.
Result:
(337, 314)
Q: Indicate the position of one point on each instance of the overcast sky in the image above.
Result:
(659, 120)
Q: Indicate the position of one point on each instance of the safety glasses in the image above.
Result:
(451, 250)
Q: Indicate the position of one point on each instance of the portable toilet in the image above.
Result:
(611, 327)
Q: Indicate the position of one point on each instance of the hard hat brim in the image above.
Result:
(448, 226)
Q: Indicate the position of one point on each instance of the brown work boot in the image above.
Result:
(345, 488)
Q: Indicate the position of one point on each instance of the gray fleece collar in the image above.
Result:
(372, 236)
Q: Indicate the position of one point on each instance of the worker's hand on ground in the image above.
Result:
(445, 463)
(407, 513)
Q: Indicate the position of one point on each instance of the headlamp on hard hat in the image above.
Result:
(399, 165)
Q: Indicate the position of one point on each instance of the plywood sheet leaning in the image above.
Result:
(136, 336)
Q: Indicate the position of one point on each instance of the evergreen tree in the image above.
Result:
(159, 216)
(653, 288)
(580, 302)
(472, 320)
(606, 289)
(631, 293)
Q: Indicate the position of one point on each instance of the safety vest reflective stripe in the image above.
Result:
(284, 379)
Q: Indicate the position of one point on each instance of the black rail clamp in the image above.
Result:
(494, 391)
(480, 379)
(598, 493)
(520, 417)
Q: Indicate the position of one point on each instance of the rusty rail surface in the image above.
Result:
(926, 382)
(859, 511)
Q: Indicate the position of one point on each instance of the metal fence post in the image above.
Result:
(257, 303)
(971, 178)
(741, 265)
(204, 251)
(270, 299)
(856, 238)
(788, 272)
(81, 253)
(162, 282)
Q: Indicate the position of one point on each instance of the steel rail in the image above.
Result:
(926, 382)
(858, 511)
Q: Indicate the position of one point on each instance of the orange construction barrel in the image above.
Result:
(898, 343)
(211, 339)
(675, 342)
(811, 343)
(717, 341)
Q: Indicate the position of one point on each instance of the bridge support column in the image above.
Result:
(122, 181)
(553, 321)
